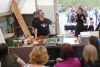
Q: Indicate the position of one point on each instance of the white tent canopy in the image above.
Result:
(29, 6)
(4, 6)
(25, 6)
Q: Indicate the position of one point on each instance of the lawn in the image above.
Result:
(86, 3)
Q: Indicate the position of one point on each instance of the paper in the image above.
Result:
(88, 34)
(71, 41)
(2, 40)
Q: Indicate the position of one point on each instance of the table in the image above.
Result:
(73, 27)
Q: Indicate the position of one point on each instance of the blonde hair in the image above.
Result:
(38, 55)
(90, 53)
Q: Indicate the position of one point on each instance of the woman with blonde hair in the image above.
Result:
(38, 57)
(90, 57)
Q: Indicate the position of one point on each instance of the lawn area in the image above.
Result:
(86, 3)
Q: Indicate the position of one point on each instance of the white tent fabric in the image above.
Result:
(25, 6)
(29, 7)
(4, 5)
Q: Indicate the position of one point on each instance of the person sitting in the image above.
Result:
(67, 56)
(98, 26)
(94, 41)
(38, 57)
(90, 57)
(7, 59)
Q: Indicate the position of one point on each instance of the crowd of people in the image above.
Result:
(83, 16)
(38, 57)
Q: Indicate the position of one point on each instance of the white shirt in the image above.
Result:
(27, 65)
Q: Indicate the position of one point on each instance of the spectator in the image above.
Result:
(91, 27)
(68, 59)
(85, 12)
(69, 13)
(98, 26)
(73, 17)
(38, 57)
(96, 14)
(7, 59)
(94, 41)
(90, 57)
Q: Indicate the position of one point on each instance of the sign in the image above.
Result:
(2, 40)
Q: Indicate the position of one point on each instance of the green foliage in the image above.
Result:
(9, 42)
(87, 3)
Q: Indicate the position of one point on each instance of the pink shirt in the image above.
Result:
(68, 62)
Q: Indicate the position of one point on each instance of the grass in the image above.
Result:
(87, 3)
